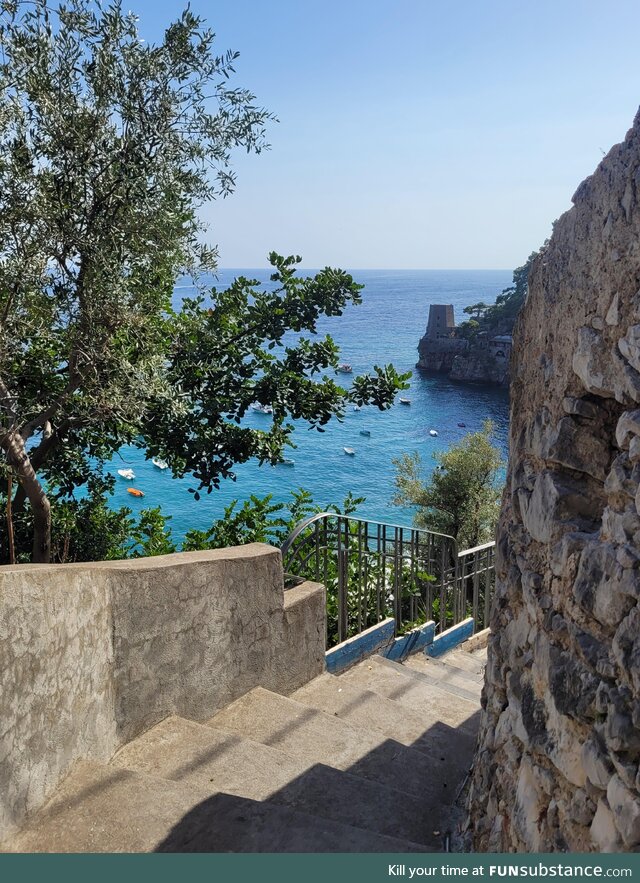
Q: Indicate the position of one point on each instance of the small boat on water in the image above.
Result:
(262, 409)
(357, 408)
(288, 462)
(160, 464)
(462, 425)
(129, 474)
(405, 401)
(349, 451)
(345, 368)
(134, 492)
(432, 432)
(366, 432)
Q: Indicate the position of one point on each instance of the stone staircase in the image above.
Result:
(368, 761)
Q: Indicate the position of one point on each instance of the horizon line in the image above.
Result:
(391, 269)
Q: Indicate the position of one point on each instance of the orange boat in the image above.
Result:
(134, 492)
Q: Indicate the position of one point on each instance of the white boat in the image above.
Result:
(357, 408)
(349, 451)
(405, 401)
(129, 474)
(345, 368)
(262, 409)
(432, 432)
(160, 464)
(288, 462)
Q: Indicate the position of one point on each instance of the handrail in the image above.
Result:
(475, 549)
(306, 522)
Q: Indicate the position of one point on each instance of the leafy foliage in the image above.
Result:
(503, 312)
(108, 147)
(462, 497)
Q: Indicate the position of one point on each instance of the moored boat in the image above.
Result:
(349, 451)
(405, 401)
(134, 492)
(432, 432)
(160, 464)
(129, 474)
(345, 368)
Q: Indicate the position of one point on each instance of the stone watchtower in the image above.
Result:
(441, 321)
(439, 346)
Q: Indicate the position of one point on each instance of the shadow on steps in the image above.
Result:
(295, 818)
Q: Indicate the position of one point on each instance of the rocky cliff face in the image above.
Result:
(463, 360)
(557, 764)
(479, 366)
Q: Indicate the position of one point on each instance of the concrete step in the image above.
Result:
(104, 809)
(214, 761)
(304, 732)
(412, 690)
(465, 661)
(365, 708)
(446, 672)
(447, 679)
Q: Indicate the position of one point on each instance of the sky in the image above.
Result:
(412, 133)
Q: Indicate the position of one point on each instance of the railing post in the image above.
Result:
(343, 607)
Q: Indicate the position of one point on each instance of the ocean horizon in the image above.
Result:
(384, 329)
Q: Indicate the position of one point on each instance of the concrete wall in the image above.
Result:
(91, 655)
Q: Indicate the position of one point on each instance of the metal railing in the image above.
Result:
(476, 578)
(372, 570)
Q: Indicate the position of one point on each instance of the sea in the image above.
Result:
(385, 328)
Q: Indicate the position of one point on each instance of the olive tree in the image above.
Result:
(462, 496)
(108, 147)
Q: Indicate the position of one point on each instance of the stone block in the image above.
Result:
(603, 829)
(629, 346)
(627, 427)
(597, 766)
(625, 808)
(601, 587)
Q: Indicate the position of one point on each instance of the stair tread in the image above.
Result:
(362, 707)
(447, 672)
(100, 808)
(306, 732)
(474, 661)
(447, 680)
(214, 760)
(394, 682)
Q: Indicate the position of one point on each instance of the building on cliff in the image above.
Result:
(443, 350)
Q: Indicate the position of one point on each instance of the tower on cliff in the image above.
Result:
(441, 321)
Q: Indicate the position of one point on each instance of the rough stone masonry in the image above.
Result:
(559, 747)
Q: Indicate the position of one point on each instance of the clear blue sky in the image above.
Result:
(416, 134)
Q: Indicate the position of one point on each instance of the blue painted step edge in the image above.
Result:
(450, 639)
(375, 639)
(416, 639)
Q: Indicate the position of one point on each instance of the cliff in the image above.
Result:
(557, 766)
(481, 359)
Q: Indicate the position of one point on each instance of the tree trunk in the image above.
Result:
(41, 553)
(17, 457)
(12, 547)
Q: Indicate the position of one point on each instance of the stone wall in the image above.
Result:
(557, 764)
(91, 655)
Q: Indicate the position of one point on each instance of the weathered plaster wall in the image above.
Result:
(557, 765)
(91, 655)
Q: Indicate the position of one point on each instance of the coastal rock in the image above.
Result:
(559, 743)
(442, 350)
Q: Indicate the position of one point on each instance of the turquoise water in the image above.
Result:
(385, 328)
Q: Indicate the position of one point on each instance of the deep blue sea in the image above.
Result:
(385, 328)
